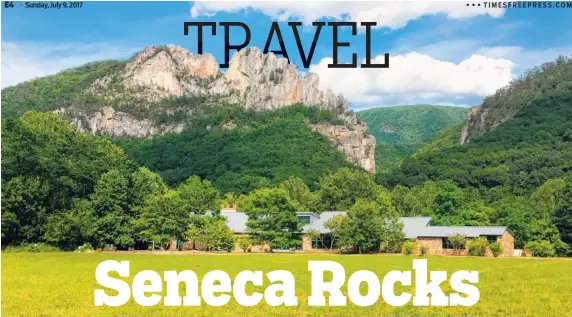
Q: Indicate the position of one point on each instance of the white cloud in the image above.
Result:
(393, 15)
(415, 78)
(523, 58)
(23, 61)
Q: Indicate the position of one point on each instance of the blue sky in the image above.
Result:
(441, 53)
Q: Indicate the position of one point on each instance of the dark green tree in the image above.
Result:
(24, 212)
(340, 190)
(72, 228)
(114, 219)
(562, 218)
(143, 184)
(367, 227)
(272, 217)
(300, 192)
(199, 196)
(210, 233)
(164, 218)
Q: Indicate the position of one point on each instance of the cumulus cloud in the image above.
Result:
(415, 77)
(393, 15)
(524, 58)
(23, 61)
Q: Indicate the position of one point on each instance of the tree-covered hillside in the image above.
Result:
(521, 153)
(400, 131)
(507, 101)
(240, 150)
(519, 174)
(49, 93)
(67, 188)
(47, 168)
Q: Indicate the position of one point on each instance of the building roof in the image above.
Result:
(236, 221)
(413, 227)
(467, 231)
(318, 221)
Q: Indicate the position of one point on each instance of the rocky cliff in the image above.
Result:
(479, 121)
(506, 103)
(254, 80)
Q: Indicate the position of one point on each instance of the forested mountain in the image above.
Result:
(164, 89)
(111, 150)
(241, 150)
(519, 174)
(521, 153)
(400, 131)
(61, 90)
(509, 100)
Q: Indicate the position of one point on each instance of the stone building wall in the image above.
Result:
(435, 246)
(306, 243)
(507, 242)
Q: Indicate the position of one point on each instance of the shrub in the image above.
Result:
(244, 243)
(32, 247)
(540, 248)
(496, 249)
(86, 247)
(111, 247)
(477, 247)
(408, 247)
(424, 250)
(392, 246)
(457, 242)
(211, 234)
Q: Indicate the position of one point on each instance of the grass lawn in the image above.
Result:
(62, 284)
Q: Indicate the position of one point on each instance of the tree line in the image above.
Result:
(67, 189)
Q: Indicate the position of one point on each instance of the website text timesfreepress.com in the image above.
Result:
(527, 4)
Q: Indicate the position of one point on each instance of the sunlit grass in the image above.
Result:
(62, 284)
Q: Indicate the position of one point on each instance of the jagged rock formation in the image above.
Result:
(118, 124)
(479, 121)
(472, 116)
(356, 144)
(254, 80)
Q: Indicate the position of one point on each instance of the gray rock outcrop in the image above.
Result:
(478, 123)
(255, 80)
(107, 121)
(358, 147)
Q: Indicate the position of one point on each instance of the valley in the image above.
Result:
(91, 155)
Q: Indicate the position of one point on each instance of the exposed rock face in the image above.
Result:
(264, 81)
(255, 80)
(119, 124)
(478, 123)
(356, 144)
(161, 72)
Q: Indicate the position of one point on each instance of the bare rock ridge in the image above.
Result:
(478, 122)
(107, 121)
(255, 80)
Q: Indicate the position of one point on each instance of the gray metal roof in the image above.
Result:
(467, 231)
(236, 221)
(318, 221)
(413, 227)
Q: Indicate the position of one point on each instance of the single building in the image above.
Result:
(433, 238)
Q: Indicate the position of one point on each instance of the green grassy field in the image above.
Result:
(62, 284)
